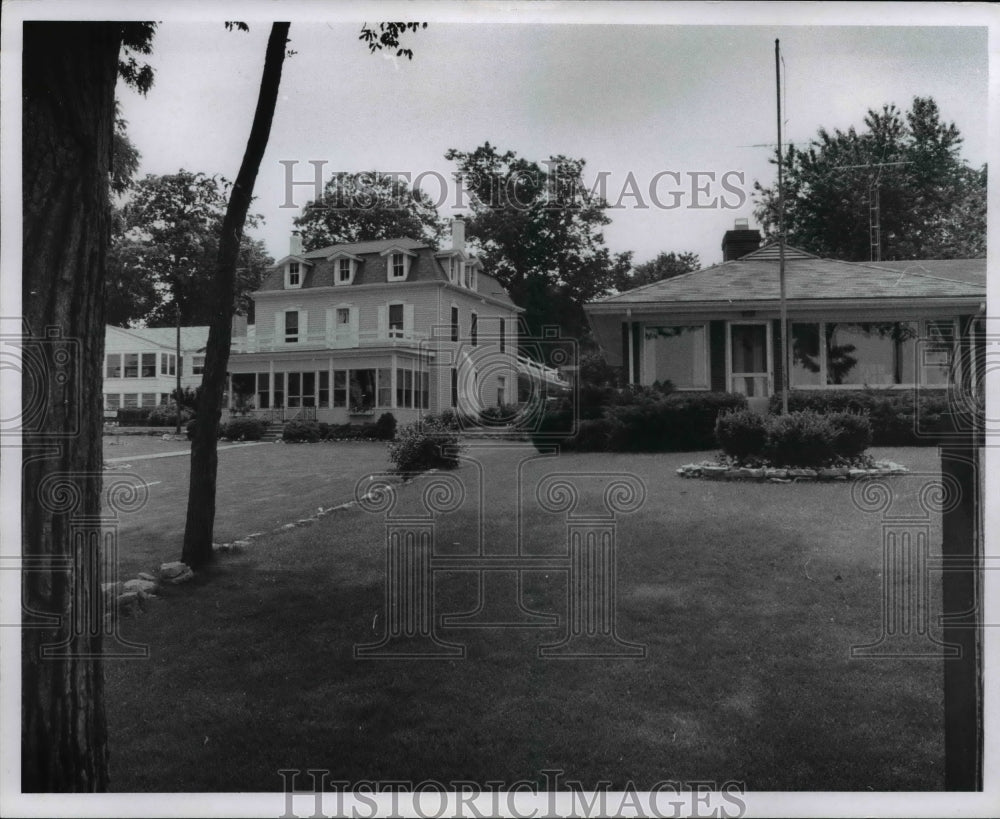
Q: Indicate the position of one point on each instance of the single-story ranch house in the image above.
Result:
(888, 325)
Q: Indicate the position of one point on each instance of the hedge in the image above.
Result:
(426, 444)
(639, 420)
(898, 417)
(133, 416)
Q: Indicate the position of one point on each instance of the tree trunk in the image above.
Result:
(70, 71)
(204, 456)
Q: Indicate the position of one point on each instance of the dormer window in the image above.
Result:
(344, 271)
(397, 263)
(294, 275)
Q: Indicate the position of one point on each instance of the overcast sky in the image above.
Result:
(638, 98)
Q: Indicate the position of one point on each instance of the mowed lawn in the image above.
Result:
(260, 487)
(746, 596)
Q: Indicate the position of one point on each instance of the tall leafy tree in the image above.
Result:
(164, 250)
(365, 206)
(664, 266)
(68, 128)
(932, 204)
(538, 231)
(200, 520)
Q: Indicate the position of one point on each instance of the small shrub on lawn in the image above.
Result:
(300, 432)
(427, 444)
(165, 415)
(800, 439)
(245, 429)
(852, 433)
(741, 434)
(385, 427)
(325, 431)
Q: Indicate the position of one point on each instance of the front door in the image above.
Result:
(750, 361)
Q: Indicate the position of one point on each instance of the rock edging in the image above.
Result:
(711, 471)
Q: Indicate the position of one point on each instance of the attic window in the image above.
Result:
(397, 269)
(294, 275)
(343, 271)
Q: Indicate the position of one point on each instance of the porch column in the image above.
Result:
(229, 391)
(392, 382)
(329, 369)
(270, 383)
(631, 347)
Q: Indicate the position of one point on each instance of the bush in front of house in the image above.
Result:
(426, 444)
(798, 439)
(244, 429)
(133, 416)
(680, 422)
(904, 417)
(297, 431)
(638, 420)
(165, 415)
(741, 434)
(384, 429)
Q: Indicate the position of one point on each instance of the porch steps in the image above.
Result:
(273, 432)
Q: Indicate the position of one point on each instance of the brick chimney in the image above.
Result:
(739, 241)
(458, 233)
(295, 245)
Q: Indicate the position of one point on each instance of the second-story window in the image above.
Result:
(454, 324)
(344, 271)
(343, 317)
(474, 330)
(503, 335)
(395, 320)
(294, 274)
(291, 326)
(197, 365)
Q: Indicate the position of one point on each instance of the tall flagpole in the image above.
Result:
(781, 242)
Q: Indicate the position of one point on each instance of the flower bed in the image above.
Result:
(715, 471)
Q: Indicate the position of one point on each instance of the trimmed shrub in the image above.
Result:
(742, 434)
(804, 439)
(245, 429)
(301, 432)
(424, 445)
(325, 430)
(680, 422)
(133, 416)
(385, 427)
(165, 415)
(852, 433)
(898, 417)
(448, 419)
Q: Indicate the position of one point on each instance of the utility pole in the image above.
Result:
(781, 242)
(177, 366)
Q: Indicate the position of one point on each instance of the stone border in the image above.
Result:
(711, 471)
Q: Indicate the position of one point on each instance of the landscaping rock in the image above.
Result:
(254, 535)
(129, 603)
(146, 576)
(304, 522)
(175, 572)
(714, 473)
(112, 588)
(140, 586)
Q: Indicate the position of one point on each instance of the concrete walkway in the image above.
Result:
(173, 454)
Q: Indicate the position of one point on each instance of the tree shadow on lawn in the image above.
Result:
(747, 674)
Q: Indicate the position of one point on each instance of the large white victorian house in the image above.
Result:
(392, 325)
